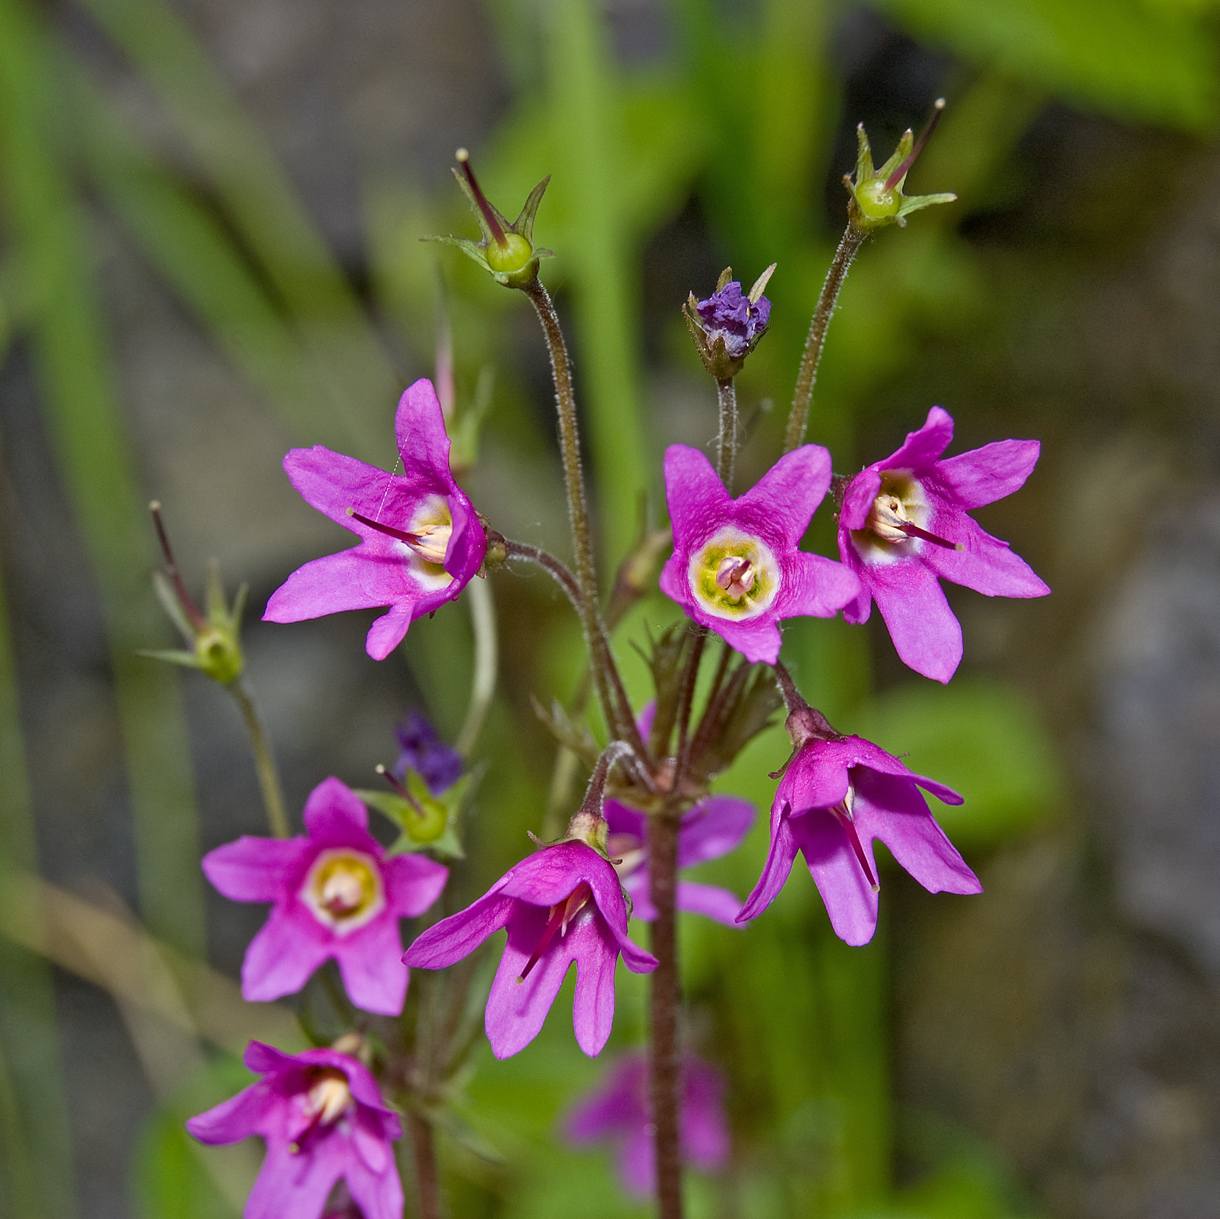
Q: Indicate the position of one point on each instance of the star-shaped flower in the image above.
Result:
(420, 538)
(835, 798)
(903, 525)
(620, 1111)
(335, 894)
(323, 1120)
(711, 829)
(736, 568)
(562, 904)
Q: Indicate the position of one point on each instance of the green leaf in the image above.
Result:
(985, 739)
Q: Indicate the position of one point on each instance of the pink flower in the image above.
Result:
(562, 904)
(620, 1111)
(323, 1120)
(420, 538)
(335, 894)
(903, 526)
(838, 795)
(709, 830)
(736, 568)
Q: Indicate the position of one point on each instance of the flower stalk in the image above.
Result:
(264, 758)
(726, 396)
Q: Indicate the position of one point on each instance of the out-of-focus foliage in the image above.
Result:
(739, 117)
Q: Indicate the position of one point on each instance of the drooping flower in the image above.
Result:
(423, 751)
(336, 895)
(619, 1111)
(711, 829)
(420, 538)
(903, 525)
(835, 798)
(323, 1120)
(736, 568)
(562, 904)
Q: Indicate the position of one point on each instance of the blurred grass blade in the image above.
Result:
(198, 258)
(94, 458)
(259, 200)
(34, 1131)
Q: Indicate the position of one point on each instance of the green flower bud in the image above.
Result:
(507, 251)
(876, 194)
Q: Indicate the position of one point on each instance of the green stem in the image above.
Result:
(264, 759)
(850, 242)
(486, 661)
(726, 394)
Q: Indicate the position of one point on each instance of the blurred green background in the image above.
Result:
(209, 223)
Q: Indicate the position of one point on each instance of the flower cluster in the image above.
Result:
(737, 571)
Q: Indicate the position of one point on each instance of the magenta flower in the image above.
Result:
(420, 538)
(323, 1120)
(562, 904)
(709, 830)
(903, 526)
(335, 894)
(736, 568)
(836, 796)
(620, 1111)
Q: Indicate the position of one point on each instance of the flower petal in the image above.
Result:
(412, 883)
(624, 820)
(926, 635)
(359, 578)
(391, 628)
(815, 586)
(892, 809)
(258, 869)
(596, 951)
(709, 900)
(782, 503)
(780, 856)
(419, 426)
(336, 816)
(460, 934)
(849, 898)
(288, 948)
(984, 475)
(295, 1186)
(236, 1118)
(698, 502)
(713, 828)
(370, 962)
(378, 1195)
(924, 446)
(987, 565)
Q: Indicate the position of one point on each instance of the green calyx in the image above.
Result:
(213, 639)
(876, 193)
(507, 251)
(427, 822)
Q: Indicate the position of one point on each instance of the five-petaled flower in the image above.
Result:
(420, 538)
(835, 797)
(619, 1111)
(323, 1120)
(903, 525)
(562, 904)
(336, 894)
(711, 829)
(736, 568)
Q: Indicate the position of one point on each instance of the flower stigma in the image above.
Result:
(343, 890)
(562, 913)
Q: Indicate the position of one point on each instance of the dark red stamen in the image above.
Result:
(850, 826)
(198, 621)
(411, 539)
(914, 531)
(489, 212)
(904, 168)
(548, 934)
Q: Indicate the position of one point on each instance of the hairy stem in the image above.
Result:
(423, 1150)
(726, 394)
(663, 1004)
(486, 661)
(686, 701)
(851, 241)
(264, 759)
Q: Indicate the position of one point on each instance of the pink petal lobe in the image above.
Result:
(413, 883)
(370, 962)
(460, 934)
(924, 446)
(708, 900)
(780, 856)
(294, 1186)
(391, 628)
(784, 500)
(258, 869)
(858, 499)
(283, 956)
(987, 564)
(984, 475)
(849, 898)
(713, 828)
(698, 502)
(419, 426)
(596, 955)
(357, 578)
(236, 1118)
(336, 816)
(815, 586)
(926, 635)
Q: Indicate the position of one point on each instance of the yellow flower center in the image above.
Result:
(734, 575)
(343, 890)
